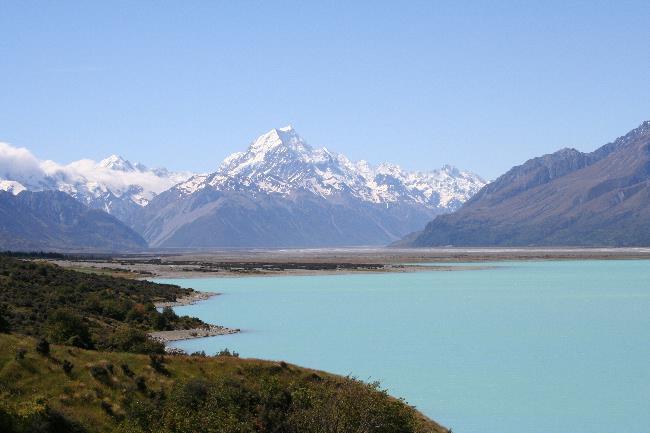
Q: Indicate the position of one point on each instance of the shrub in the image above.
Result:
(63, 326)
(169, 315)
(47, 420)
(20, 353)
(193, 393)
(5, 326)
(127, 339)
(101, 374)
(43, 347)
(226, 352)
(157, 362)
(127, 370)
(141, 383)
(108, 407)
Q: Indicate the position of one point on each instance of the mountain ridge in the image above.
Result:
(569, 198)
(55, 221)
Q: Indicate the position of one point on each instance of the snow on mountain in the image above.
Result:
(281, 192)
(12, 186)
(113, 184)
(281, 162)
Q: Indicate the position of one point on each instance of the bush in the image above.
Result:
(226, 352)
(43, 347)
(108, 407)
(101, 374)
(127, 339)
(141, 383)
(157, 362)
(63, 326)
(44, 420)
(127, 370)
(20, 353)
(193, 393)
(5, 326)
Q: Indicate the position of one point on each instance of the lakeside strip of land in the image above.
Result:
(265, 262)
(206, 269)
(192, 298)
(210, 330)
(166, 337)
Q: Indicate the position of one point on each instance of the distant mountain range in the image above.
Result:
(53, 220)
(572, 198)
(281, 192)
(113, 185)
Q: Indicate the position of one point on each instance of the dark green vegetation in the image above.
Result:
(120, 392)
(70, 387)
(85, 310)
(55, 221)
(568, 198)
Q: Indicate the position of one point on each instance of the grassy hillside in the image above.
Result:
(123, 392)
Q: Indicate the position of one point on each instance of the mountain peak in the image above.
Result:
(451, 170)
(116, 162)
(281, 162)
(279, 137)
(642, 129)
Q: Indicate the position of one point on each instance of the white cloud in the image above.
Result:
(20, 165)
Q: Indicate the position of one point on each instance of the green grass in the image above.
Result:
(193, 394)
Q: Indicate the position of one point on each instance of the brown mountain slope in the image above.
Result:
(565, 198)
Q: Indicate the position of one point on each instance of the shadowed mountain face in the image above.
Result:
(600, 198)
(53, 220)
(281, 192)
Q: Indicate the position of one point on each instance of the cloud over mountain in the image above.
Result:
(114, 184)
(18, 162)
(113, 173)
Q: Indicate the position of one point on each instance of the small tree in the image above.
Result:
(67, 367)
(5, 326)
(129, 339)
(227, 352)
(157, 362)
(43, 346)
(63, 326)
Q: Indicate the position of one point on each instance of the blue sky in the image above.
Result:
(183, 84)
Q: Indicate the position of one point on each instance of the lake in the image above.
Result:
(550, 346)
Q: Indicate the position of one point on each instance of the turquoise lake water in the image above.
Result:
(525, 347)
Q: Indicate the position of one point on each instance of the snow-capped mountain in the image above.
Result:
(281, 162)
(283, 192)
(114, 184)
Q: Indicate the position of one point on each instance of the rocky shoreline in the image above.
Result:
(188, 334)
(165, 337)
(190, 299)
